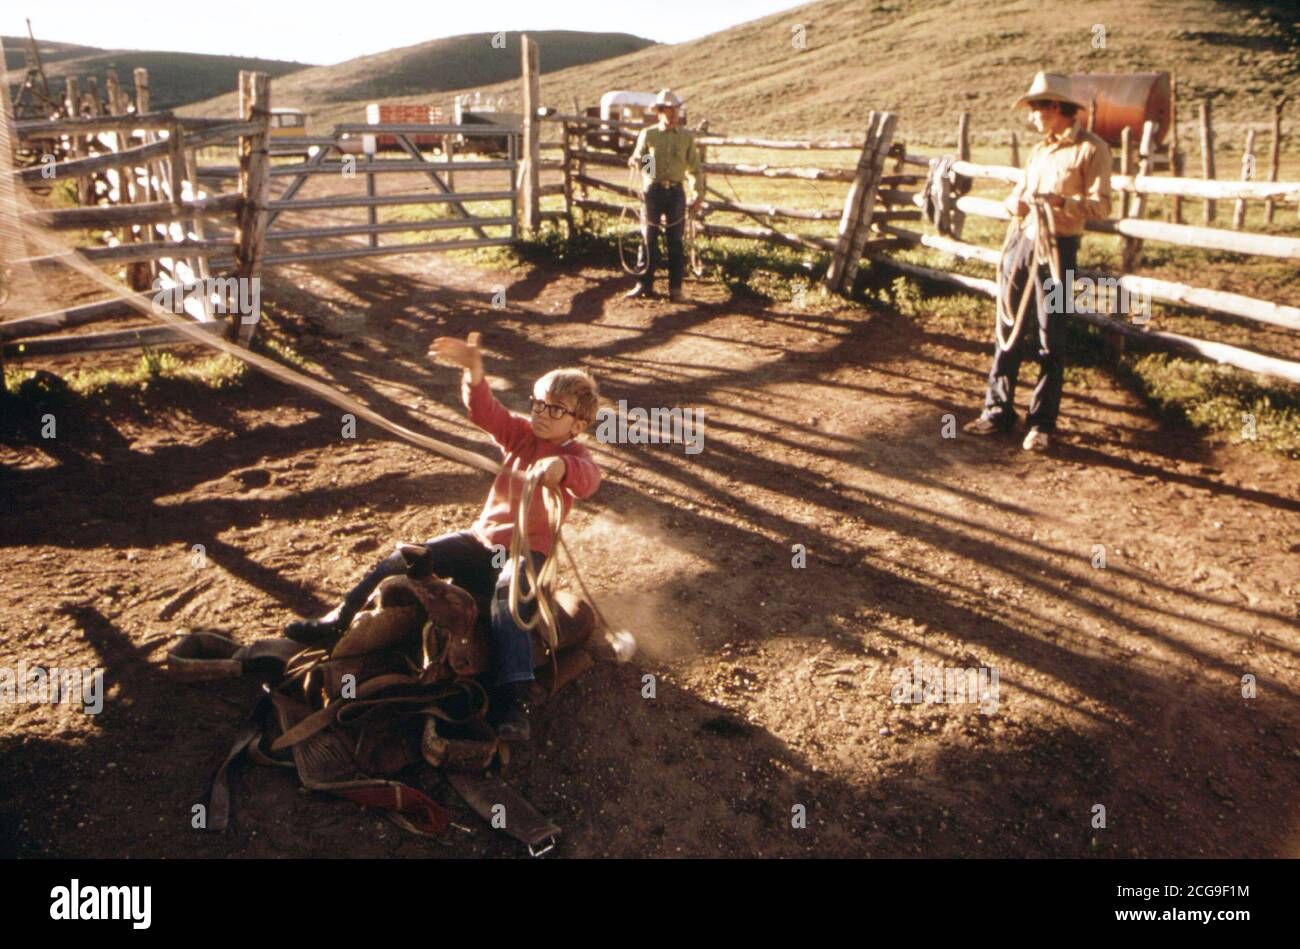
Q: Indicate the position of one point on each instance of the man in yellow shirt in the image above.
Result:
(1069, 171)
(666, 155)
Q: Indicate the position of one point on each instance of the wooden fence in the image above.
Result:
(1131, 190)
(151, 204)
(879, 200)
(859, 210)
(135, 177)
(332, 155)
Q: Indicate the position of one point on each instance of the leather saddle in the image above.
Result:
(400, 686)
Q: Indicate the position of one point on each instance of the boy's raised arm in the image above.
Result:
(485, 410)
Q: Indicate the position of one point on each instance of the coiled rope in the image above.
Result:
(1046, 251)
(690, 249)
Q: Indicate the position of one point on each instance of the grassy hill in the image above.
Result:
(420, 72)
(175, 79)
(928, 60)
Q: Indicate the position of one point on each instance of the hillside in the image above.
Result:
(175, 79)
(429, 68)
(930, 59)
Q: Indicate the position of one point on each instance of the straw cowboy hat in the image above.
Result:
(1053, 86)
(667, 99)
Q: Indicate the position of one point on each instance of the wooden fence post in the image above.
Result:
(1207, 155)
(1175, 154)
(254, 185)
(531, 144)
(703, 183)
(1137, 206)
(568, 178)
(372, 212)
(1015, 151)
(1274, 154)
(1247, 174)
(72, 102)
(859, 205)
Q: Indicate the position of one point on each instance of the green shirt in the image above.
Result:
(674, 153)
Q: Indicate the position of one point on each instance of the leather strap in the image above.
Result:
(484, 792)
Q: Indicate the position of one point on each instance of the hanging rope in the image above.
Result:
(643, 251)
(1045, 251)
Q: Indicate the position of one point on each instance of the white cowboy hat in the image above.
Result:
(667, 98)
(1053, 86)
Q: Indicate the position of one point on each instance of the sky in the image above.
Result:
(330, 31)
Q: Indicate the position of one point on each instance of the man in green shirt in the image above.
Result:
(666, 155)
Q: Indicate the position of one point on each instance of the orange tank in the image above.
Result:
(1127, 100)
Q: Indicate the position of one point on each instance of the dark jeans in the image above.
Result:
(1048, 340)
(664, 206)
(464, 561)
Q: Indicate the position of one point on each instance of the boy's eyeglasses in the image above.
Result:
(554, 411)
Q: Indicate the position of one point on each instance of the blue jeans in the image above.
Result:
(664, 210)
(463, 560)
(1000, 395)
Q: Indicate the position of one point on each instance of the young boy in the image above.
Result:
(564, 403)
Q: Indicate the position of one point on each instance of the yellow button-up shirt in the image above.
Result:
(673, 152)
(1075, 165)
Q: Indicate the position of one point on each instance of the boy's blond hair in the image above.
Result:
(577, 383)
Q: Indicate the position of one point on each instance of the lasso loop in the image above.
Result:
(690, 249)
(1046, 251)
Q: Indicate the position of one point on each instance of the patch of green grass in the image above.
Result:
(1220, 399)
(156, 370)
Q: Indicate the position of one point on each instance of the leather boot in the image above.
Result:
(322, 629)
(510, 702)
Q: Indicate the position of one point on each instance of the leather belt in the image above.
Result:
(666, 183)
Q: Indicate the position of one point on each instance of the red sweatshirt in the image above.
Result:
(521, 447)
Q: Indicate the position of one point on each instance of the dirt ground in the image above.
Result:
(1119, 685)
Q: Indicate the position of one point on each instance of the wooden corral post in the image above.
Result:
(963, 184)
(372, 212)
(94, 103)
(1175, 153)
(1207, 155)
(1015, 150)
(1137, 205)
(113, 91)
(149, 183)
(198, 264)
(254, 184)
(1247, 174)
(568, 179)
(531, 144)
(1275, 151)
(703, 183)
(449, 155)
(72, 100)
(859, 205)
(142, 105)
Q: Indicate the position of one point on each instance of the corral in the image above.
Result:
(829, 534)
